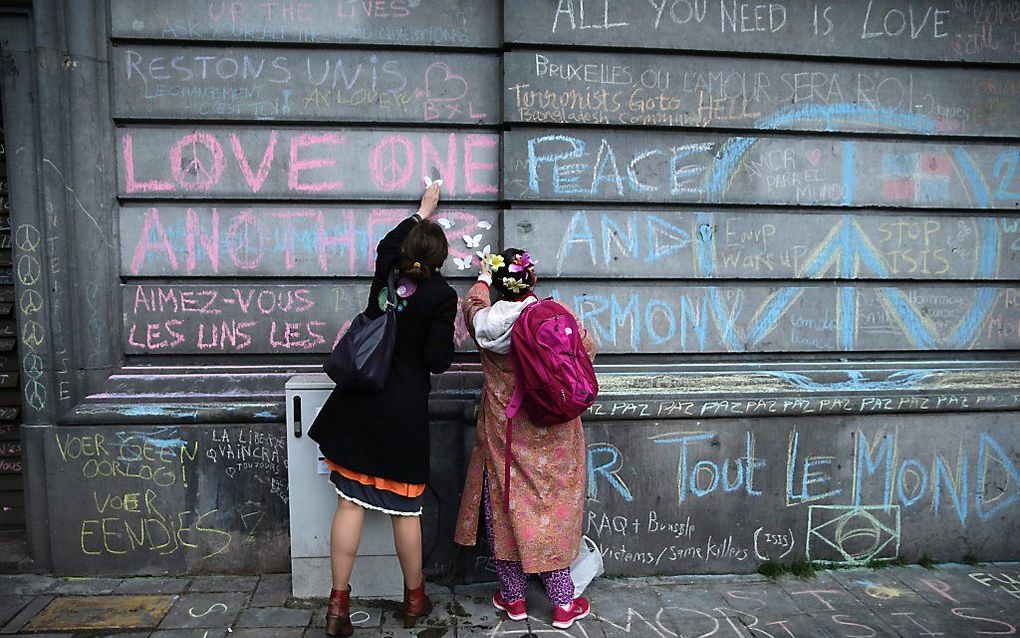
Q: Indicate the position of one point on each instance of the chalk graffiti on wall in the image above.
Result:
(139, 497)
(755, 244)
(277, 241)
(291, 84)
(755, 169)
(397, 22)
(246, 162)
(832, 501)
(624, 88)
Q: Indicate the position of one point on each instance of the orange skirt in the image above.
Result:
(407, 490)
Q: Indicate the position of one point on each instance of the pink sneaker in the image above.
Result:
(517, 610)
(564, 618)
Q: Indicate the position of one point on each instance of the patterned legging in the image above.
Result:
(559, 586)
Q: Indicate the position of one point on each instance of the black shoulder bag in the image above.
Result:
(361, 360)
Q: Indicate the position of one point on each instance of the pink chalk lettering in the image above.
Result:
(305, 140)
(448, 169)
(246, 239)
(141, 300)
(131, 337)
(288, 234)
(290, 336)
(225, 333)
(325, 241)
(146, 243)
(244, 303)
(197, 173)
(205, 345)
(132, 185)
(343, 330)
(239, 331)
(384, 163)
(209, 243)
(255, 181)
(488, 185)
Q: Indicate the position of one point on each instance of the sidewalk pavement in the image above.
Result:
(904, 602)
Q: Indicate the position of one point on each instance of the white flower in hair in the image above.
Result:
(514, 285)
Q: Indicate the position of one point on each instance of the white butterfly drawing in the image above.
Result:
(463, 264)
(485, 253)
(445, 223)
(473, 241)
(484, 225)
(429, 181)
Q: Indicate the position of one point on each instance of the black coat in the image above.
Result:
(386, 433)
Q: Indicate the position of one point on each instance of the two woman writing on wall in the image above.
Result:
(529, 495)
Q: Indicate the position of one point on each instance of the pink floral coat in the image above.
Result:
(548, 477)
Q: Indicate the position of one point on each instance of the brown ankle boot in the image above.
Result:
(338, 613)
(416, 604)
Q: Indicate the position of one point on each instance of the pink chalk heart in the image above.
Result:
(814, 156)
(443, 85)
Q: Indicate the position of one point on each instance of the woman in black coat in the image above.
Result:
(377, 444)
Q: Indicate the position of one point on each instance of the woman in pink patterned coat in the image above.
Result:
(540, 531)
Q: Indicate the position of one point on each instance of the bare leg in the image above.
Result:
(343, 541)
(407, 538)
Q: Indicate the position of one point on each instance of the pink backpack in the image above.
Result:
(554, 381)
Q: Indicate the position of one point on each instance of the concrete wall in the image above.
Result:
(791, 228)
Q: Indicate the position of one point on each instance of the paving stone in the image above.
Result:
(852, 624)
(923, 621)
(784, 625)
(616, 610)
(274, 617)
(987, 620)
(442, 620)
(943, 587)
(189, 633)
(419, 632)
(1004, 583)
(25, 584)
(878, 589)
(11, 605)
(761, 599)
(101, 613)
(208, 584)
(473, 607)
(820, 594)
(152, 585)
(268, 632)
(364, 614)
(204, 610)
(686, 609)
(84, 586)
(27, 613)
(273, 590)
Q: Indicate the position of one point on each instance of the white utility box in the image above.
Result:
(313, 501)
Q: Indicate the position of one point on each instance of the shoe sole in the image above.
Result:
(567, 625)
(509, 615)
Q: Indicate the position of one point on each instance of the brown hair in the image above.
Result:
(424, 250)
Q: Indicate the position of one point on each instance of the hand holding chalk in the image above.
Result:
(430, 200)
